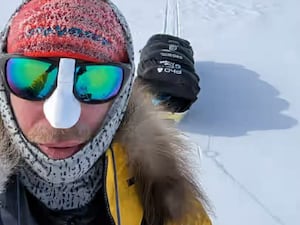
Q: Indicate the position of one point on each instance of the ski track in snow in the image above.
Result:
(222, 10)
(213, 155)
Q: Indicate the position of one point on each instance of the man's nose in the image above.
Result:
(62, 109)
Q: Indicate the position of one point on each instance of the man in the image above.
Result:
(77, 147)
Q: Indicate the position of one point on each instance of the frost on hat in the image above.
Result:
(83, 29)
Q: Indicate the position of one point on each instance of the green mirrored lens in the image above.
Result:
(98, 82)
(30, 78)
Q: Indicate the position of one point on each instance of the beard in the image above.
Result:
(42, 133)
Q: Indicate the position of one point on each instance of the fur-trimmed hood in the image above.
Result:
(157, 156)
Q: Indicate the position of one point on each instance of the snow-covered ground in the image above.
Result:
(246, 119)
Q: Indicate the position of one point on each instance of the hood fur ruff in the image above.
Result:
(157, 155)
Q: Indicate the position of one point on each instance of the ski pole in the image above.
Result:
(172, 18)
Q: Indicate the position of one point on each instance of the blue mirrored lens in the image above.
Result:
(30, 78)
(98, 82)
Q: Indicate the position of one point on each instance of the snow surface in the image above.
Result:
(246, 119)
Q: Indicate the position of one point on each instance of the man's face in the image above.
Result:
(57, 143)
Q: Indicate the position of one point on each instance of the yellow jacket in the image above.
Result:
(123, 199)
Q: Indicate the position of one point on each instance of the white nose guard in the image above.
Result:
(62, 109)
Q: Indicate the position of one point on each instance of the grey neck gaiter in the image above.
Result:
(64, 196)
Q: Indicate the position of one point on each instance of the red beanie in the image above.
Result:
(82, 29)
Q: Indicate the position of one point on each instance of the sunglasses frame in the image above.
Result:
(126, 67)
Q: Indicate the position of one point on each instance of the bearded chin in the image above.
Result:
(10, 154)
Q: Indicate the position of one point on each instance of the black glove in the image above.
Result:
(167, 67)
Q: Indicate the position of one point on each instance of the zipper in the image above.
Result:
(112, 222)
(116, 187)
